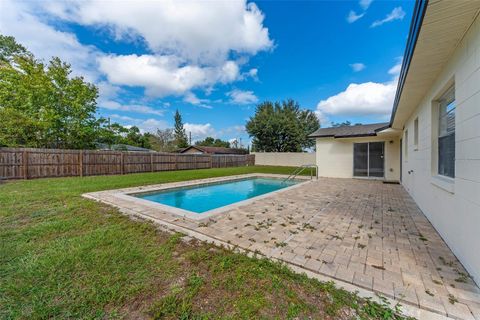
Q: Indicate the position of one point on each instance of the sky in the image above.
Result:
(215, 61)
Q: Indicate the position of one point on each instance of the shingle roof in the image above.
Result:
(363, 130)
(216, 150)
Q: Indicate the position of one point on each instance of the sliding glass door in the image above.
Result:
(368, 159)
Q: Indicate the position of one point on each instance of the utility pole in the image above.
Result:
(190, 137)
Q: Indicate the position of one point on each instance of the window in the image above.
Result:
(406, 144)
(415, 133)
(446, 134)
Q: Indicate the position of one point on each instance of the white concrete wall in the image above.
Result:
(335, 157)
(290, 159)
(452, 207)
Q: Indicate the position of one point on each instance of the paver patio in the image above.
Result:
(363, 232)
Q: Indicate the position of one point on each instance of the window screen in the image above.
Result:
(446, 134)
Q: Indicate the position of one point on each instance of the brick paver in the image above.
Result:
(363, 232)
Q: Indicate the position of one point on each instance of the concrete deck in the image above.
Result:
(365, 233)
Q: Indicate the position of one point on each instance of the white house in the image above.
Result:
(432, 142)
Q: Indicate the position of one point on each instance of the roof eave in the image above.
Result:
(415, 26)
(355, 135)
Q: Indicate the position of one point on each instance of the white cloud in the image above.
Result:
(396, 14)
(253, 73)
(188, 29)
(242, 97)
(18, 19)
(360, 99)
(145, 125)
(357, 67)
(186, 52)
(191, 98)
(135, 108)
(395, 70)
(151, 125)
(365, 4)
(353, 16)
(164, 75)
(199, 131)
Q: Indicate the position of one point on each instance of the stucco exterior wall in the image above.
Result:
(452, 206)
(335, 156)
(290, 159)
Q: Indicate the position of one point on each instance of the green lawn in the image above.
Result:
(62, 256)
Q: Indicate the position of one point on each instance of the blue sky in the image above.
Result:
(214, 61)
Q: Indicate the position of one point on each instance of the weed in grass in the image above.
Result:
(445, 262)
(462, 276)
(280, 244)
(307, 226)
(421, 237)
(452, 299)
(334, 236)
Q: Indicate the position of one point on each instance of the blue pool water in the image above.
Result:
(202, 198)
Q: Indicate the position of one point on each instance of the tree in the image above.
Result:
(9, 49)
(110, 134)
(42, 105)
(180, 135)
(281, 127)
(343, 124)
(163, 140)
(135, 138)
(212, 142)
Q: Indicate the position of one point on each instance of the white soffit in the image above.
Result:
(444, 25)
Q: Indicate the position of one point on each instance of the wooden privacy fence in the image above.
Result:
(29, 163)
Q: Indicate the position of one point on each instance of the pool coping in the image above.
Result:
(127, 194)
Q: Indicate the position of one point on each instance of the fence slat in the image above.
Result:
(26, 163)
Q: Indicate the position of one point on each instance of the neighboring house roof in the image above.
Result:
(362, 130)
(215, 150)
(121, 147)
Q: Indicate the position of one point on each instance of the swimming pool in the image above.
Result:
(206, 197)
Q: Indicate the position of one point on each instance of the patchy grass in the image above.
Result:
(62, 256)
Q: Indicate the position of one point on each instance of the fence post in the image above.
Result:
(25, 164)
(151, 162)
(176, 162)
(122, 163)
(211, 160)
(80, 163)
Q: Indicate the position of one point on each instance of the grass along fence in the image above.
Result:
(29, 163)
